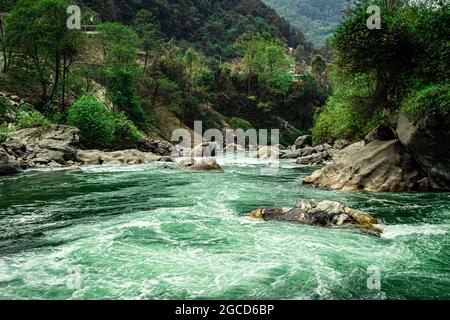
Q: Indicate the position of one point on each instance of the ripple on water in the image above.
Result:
(149, 233)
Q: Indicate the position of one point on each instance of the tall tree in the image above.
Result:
(37, 30)
(149, 32)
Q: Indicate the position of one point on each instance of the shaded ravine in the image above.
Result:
(125, 232)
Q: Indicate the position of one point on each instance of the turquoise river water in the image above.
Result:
(146, 232)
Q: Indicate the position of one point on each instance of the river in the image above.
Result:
(148, 232)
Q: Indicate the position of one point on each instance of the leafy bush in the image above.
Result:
(238, 123)
(432, 100)
(99, 126)
(31, 119)
(124, 129)
(94, 121)
(4, 106)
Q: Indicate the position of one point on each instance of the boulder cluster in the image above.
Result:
(305, 154)
(58, 146)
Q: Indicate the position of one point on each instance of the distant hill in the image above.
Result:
(316, 18)
(212, 25)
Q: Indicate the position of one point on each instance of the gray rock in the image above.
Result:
(291, 155)
(56, 143)
(97, 157)
(269, 153)
(314, 159)
(381, 133)
(303, 141)
(8, 164)
(428, 141)
(380, 166)
(321, 214)
(205, 165)
(341, 144)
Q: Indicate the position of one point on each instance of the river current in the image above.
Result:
(148, 232)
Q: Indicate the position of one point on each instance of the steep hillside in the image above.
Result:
(212, 25)
(316, 18)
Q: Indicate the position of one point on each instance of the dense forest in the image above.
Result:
(316, 18)
(229, 64)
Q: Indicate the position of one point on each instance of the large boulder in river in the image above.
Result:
(321, 214)
(379, 166)
(44, 145)
(8, 165)
(428, 141)
(97, 157)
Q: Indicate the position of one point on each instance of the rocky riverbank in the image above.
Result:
(402, 156)
(58, 146)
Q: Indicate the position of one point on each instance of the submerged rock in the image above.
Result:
(379, 166)
(321, 214)
(8, 165)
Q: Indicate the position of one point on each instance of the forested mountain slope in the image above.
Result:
(212, 25)
(316, 18)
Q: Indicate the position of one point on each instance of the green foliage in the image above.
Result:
(4, 108)
(31, 119)
(265, 106)
(41, 44)
(265, 58)
(318, 64)
(317, 18)
(122, 71)
(113, 34)
(124, 129)
(432, 100)
(347, 114)
(378, 68)
(99, 126)
(238, 123)
(94, 121)
(213, 26)
(4, 132)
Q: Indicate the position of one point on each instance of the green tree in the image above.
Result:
(37, 31)
(149, 32)
(122, 74)
(112, 34)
